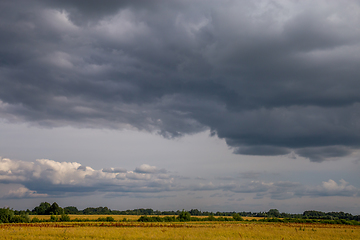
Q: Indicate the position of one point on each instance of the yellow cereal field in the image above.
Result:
(178, 231)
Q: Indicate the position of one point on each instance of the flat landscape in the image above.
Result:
(118, 217)
(181, 119)
(177, 230)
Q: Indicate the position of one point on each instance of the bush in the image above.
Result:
(6, 214)
(64, 218)
(150, 219)
(107, 219)
(184, 216)
(20, 219)
(237, 217)
(35, 220)
(53, 218)
(210, 218)
(169, 219)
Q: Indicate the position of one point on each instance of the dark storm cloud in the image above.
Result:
(270, 77)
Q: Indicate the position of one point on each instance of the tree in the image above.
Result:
(184, 216)
(237, 217)
(42, 209)
(6, 215)
(55, 209)
(195, 212)
(273, 213)
(71, 210)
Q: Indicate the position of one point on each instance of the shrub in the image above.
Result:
(53, 218)
(107, 219)
(184, 216)
(35, 220)
(237, 217)
(6, 214)
(64, 218)
(20, 219)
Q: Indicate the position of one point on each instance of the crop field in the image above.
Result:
(199, 230)
(92, 217)
(119, 217)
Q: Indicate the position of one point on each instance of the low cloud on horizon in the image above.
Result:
(48, 178)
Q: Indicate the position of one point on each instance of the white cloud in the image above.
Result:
(46, 177)
(23, 192)
(332, 188)
(144, 168)
(53, 177)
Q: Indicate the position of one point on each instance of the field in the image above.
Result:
(120, 217)
(196, 230)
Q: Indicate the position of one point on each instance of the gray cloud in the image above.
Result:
(283, 78)
(145, 168)
(114, 170)
(320, 154)
(250, 175)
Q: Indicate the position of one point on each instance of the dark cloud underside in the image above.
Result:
(268, 77)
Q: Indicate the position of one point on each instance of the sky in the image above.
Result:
(192, 104)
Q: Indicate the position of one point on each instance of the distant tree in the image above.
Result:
(55, 209)
(273, 213)
(237, 217)
(71, 210)
(6, 215)
(184, 216)
(42, 209)
(195, 212)
(98, 210)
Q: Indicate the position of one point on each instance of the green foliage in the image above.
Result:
(273, 213)
(95, 211)
(184, 216)
(55, 209)
(64, 218)
(71, 210)
(54, 218)
(107, 219)
(20, 219)
(150, 219)
(6, 214)
(169, 219)
(35, 220)
(42, 209)
(46, 209)
(237, 217)
(211, 218)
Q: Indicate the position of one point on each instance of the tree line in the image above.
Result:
(59, 214)
(46, 208)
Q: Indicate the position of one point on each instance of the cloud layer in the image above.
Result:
(269, 77)
(48, 178)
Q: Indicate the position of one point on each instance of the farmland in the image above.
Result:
(178, 230)
(117, 217)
